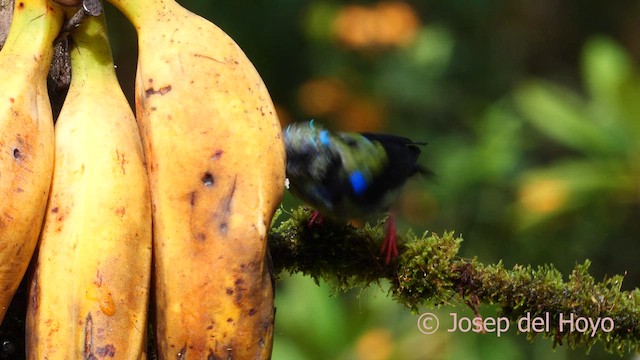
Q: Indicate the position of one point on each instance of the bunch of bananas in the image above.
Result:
(171, 205)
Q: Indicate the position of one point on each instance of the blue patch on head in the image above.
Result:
(358, 182)
(324, 137)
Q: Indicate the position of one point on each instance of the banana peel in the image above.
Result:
(26, 137)
(88, 297)
(215, 159)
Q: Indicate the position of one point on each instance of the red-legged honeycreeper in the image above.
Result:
(347, 175)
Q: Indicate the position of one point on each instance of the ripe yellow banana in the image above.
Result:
(26, 137)
(215, 159)
(89, 293)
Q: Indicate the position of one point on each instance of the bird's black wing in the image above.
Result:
(402, 155)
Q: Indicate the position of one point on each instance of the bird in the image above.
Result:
(349, 175)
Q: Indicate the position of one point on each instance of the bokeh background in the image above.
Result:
(532, 114)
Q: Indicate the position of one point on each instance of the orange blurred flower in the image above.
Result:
(355, 26)
(361, 114)
(398, 23)
(375, 344)
(543, 196)
(329, 99)
(386, 24)
(321, 97)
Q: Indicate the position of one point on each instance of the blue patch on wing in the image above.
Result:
(324, 137)
(358, 182)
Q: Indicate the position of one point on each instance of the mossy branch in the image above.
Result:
(428, 272)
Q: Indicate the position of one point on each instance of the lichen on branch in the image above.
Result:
(429, 272)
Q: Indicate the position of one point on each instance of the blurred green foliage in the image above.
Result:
(532, 114)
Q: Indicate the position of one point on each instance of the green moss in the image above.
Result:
(424, 273)
(341, 254)
(428, 272)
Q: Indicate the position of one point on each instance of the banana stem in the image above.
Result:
(88, 8)
(31, 29)
(91, 46)
(140, 12)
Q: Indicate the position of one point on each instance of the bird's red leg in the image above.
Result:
(390, 245)
(316, 218)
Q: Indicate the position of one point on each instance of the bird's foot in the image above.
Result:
(315, 219)
(389, 247)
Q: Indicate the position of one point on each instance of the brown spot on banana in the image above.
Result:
(182, 354)
(217, 154)
(224, 211)
(161, 91)
(208, 180)
(17, 154)
(106, 351)
(122, 160)
(121, 211)
(208, 58)
(88, 336)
